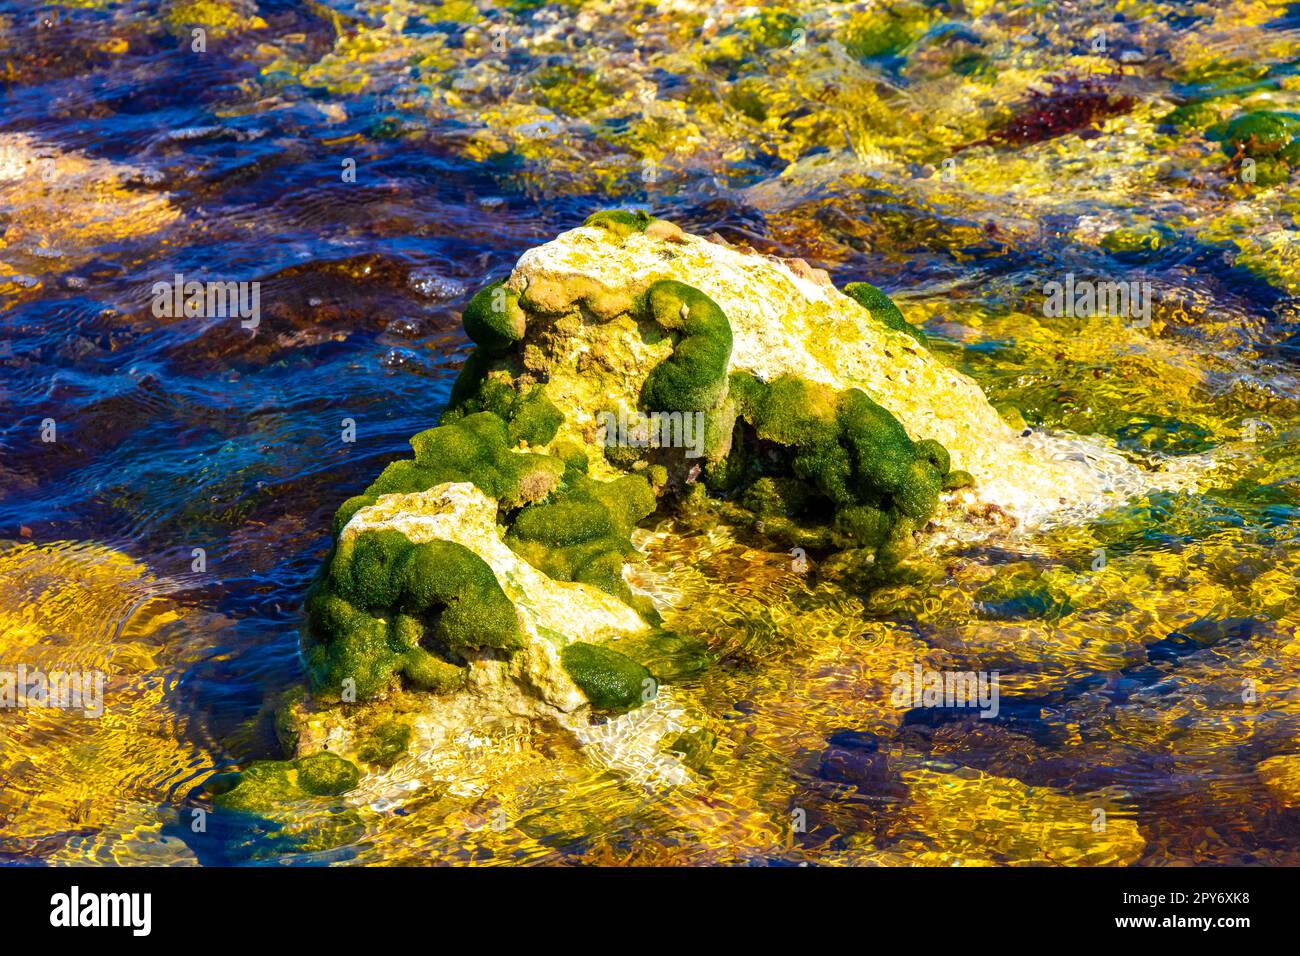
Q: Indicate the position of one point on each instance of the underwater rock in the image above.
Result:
(88, 771)
(980, 819)
(60, 208)
(1281, 775)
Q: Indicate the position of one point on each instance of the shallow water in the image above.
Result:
(1147, 658)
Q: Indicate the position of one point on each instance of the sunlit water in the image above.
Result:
(1148, 661)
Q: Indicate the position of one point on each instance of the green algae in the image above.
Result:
(386, 744)
(573, 91)
(327, 775)
(1135, 239)
(694, 748)
(672, 656)
(1261, 133)
(747, 36)
(694, 376)
(389, 607)
(477, 448)
(531, 417)
(1267, 140)
(584, 533)
(493, 318)
(882, 309)
(610, 680)
(219, 17)
(620, 222)
(885, 30)
(1195, 115)
(849, 452)
(266, 786)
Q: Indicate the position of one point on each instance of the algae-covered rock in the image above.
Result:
(388, 743)
(490, 577)
(426, 578)
(266, 786)
(600, 349)
(327, 775)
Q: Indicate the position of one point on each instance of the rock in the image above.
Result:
(551, 613)
(61, 208)
(1281, 775)
(595, 355)
(484, 583)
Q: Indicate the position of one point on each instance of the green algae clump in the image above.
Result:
(267, 785)
(1270, 140)
(584, 533)
(390, 607)
(694, 376)
(327, 775)
(882, 309)
(493, 318)
(218, 17)
(610, 680)
(531, 417)
(620, 222)
(476, 448)
(850, 454)
(1262, 133)
(885, 31)
(1134, 239)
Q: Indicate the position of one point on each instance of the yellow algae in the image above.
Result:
(75, 788)
(1281, 775)
(972, 818)
(219, 17)
(62, 207)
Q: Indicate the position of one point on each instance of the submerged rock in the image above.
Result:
(92, 750)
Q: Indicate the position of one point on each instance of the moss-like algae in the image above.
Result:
(390, 607)
(620, 222)
(531, 417)
(1269, 139)
(267, 785)
(327, 775)
(882, 309)
(610, 680)
(694, 376)
(584, 533)
(493, 318)
(837, 452)
(476, 448)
